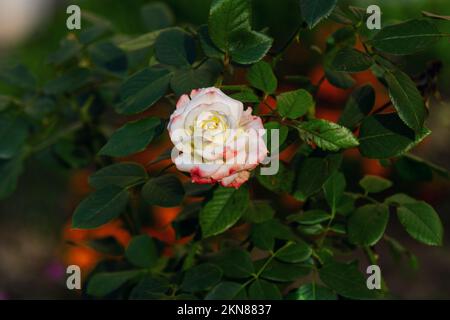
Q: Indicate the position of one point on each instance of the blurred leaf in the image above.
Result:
(282, 133)
(313, 172)
(334, 189)
(421, 222)
(374, 184)
(261, 76)
(435, 16)
(294, 252)
(157, 15)
(10, 170)
(175, 47)
(142, 252)
(235, 263)
(351, 60)
(105, 283)
(68, 82)
(339, 79)
(367, 224)
(68, 49)
(399, 199)
(201, 277)
(18, 76)
(100, 207)
(358, 106)
(164, 191)
(327, 135)
(151, 287)
(346, 280)
(143, 89)
(294, 104)
(245, 96)
(132, 137)
(118, 174)
(406, 37)
(140, 42)
(315, 10)
(223, 210)
(107, 245)
(13, 134)
(263, 234)
(186, 79)
(406, 99)
(312, 291)
(107, 56)
(226, 291)
(385, 136)
(263, 290)
(411, 170)
(92, 33)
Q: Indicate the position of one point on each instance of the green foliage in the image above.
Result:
(256, 241)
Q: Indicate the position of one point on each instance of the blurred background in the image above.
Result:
(36, 243)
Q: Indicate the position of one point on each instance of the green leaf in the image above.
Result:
(283, 272)
(226, 291)
(235, 263)
(399, 199)
(310, 217)
(108, 245)
(315, 10)
(406, 37)
(142, 252)
(10, 170)
(374, 184)
(143, 89)
(258, 211)
(118, 174)
(327, 135)
(18, 76)
(406, 99)
(186, 79)
(208, 46)
(261, 76)
(249, 46)
(367, 224)
(13, 134)
(421, 222)
(280, 182)
(339, 79)
(263, 235)
(227, 17)
(409, 169)
(294, 104)
(132, 137)
(313, 172)
(223, 210)
(385, 136)
(201, 277)
(107, 56)
(351, 60)
(346, 280)
(164, 191)
(263, 290)
(175, 47)
(157, 15)
(151, 287)
(105, 283)
(141, 42)
(245, 96)
(100, 207)
(68, 50)
(68, 82)
(334, 189)
(282, 133)
(358, 106)
(294, 252)
(312, 291)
